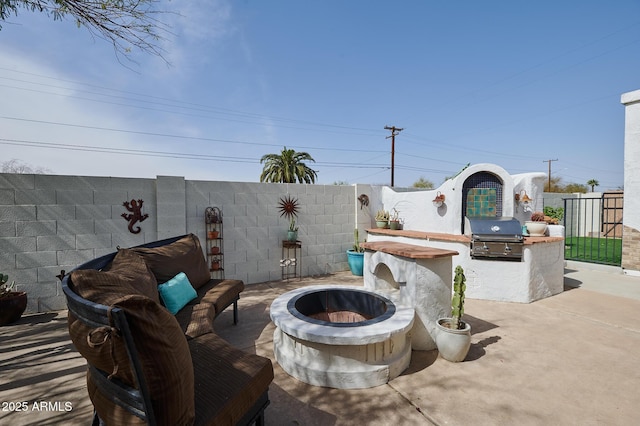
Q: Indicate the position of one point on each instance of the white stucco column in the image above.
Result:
(631, 220)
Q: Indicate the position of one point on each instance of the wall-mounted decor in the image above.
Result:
(135, 207)
(364, 200)
(288, 207)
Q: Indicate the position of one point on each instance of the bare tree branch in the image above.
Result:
(126, 24)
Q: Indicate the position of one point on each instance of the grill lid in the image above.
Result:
(493, 228)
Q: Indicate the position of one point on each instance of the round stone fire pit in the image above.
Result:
(342, 337)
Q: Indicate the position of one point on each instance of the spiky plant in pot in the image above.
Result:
(453, 336)
(12, 302)
(6, 290)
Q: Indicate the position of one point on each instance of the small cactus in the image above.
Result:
(356, 242)
(457, 302)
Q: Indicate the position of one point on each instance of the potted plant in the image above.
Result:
(537, 225)
(292, 233)
(382, 219)
(394, 220)
(12, 302)
(355, 256)
(453, 337)
(553, 217)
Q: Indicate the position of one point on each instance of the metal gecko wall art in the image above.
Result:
(135, 207)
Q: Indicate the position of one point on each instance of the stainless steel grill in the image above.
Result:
(495, 238)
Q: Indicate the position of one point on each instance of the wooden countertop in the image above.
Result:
(408, 250)
(450, 237)
(420, 235)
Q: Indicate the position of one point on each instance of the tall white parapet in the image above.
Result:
(631, 220)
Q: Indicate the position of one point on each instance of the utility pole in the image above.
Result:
(549, 161)
(394, 131)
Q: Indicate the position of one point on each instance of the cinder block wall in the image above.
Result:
(49, 223)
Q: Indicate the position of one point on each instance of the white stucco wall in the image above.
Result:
(631, 101)
(418, 212)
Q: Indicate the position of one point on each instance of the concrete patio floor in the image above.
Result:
(571, 359)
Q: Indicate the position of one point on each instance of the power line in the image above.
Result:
(168, 154)
(165, 135)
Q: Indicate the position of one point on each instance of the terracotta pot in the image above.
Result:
(12, 307)
(212, 235)
(215, 265)
(215, 250)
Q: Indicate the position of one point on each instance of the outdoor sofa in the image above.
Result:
(152, 360)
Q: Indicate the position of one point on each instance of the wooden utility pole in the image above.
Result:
(549, 161)
(394, 131)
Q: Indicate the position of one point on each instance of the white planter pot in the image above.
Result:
(536, 229)
(555, 230)
(453, 344)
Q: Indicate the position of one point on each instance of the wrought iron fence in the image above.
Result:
(593, 228)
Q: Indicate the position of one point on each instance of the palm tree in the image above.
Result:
(423, 183)
(593, 183)
(287, 167)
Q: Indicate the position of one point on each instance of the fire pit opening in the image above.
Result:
(341, 307)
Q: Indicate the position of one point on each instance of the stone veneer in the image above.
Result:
(630, 249)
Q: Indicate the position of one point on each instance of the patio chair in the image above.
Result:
(135, 400)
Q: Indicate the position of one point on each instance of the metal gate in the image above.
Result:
(593, 228)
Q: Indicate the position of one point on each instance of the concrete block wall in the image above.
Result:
(49, 223)
(254, 228)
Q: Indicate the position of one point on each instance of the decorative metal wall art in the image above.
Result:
(135, 207)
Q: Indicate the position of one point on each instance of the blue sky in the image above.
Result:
(507, 82)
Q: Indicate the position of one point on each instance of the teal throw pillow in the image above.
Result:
(177, 292)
